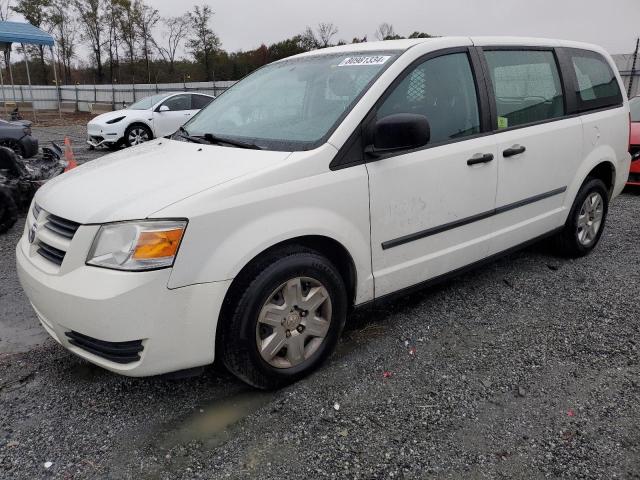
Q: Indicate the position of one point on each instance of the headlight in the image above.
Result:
(114, 120)
(137, 246)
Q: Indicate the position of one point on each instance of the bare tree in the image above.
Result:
(385, 31)
(113, 13)
(90, 13)
(35, 12)
(129, 32)
(176, 29)
(146, 20)
(65, 31)
(326, 32)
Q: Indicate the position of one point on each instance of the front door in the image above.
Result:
(431, 208)
(168, 121)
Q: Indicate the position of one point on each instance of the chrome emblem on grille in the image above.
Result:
(32, 232)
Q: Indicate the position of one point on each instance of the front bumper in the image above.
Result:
(176, 328)
(98, 136)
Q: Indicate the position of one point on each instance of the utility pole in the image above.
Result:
(633, 68)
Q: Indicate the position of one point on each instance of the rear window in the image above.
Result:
(526, 85)
(597, 86)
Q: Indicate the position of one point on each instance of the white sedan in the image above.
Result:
(152, 117)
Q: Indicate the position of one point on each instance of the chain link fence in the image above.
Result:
(87, 98)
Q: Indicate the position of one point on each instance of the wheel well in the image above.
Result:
(335, 252)
(606, 172)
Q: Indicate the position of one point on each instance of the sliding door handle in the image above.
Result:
(515, 150)
(480, 158)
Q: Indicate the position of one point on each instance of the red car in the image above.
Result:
(634, 142)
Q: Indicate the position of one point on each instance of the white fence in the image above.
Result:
(84, 96)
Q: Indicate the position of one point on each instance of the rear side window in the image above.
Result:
(443, 90)
(198, 102)
(597, 86)
(526, 85)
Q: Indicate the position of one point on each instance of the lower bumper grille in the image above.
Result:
(50, 253)
(118, 352)
(634, 178)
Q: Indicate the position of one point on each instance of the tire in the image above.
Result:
(137, 134)
(247, 329)
(584, 227)
(8, 210)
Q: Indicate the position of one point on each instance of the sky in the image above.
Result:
(245, 24)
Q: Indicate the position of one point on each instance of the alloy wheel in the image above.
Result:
(138, 135)
(590, 218)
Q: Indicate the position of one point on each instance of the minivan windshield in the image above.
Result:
(634, 105)
(148, 102)
(293, 104)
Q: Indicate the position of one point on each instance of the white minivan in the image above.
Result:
(319, 184)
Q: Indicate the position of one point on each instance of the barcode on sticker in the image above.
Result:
(373, 60)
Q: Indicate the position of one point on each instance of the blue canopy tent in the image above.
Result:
(24, 34)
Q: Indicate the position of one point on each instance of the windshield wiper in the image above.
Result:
(182, 133)
(209, 137)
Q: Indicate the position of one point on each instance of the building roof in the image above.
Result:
(20, 32)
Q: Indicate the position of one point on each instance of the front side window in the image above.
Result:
(526, 86)
(292, 104)
(597, 85)
(148, 102)
(443, 90)
(177, 103)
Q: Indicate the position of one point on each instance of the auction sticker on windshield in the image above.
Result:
(373, 60)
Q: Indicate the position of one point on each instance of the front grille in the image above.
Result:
(118, 352)
(51, 253)
(64, 228)
(634, 178)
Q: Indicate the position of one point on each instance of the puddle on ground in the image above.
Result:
(211, 423)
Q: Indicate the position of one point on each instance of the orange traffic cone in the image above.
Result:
(68, 155)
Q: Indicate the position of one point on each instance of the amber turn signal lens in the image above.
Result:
(158, 244)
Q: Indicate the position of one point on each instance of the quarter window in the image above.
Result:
(526, 85)
(597, 86)
(443, 90)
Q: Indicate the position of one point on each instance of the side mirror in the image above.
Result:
(401, 131)
(163, 108)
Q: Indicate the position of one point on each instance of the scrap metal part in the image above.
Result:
(20, 179)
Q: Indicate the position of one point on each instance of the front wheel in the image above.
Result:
(137, 134)
(285, 320)
(586, 220)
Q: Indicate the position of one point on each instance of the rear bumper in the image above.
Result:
(634, 173)
(101, 315)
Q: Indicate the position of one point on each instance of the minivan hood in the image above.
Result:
(136, 182)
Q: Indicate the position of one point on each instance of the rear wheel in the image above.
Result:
(285, 318)
(8, 210)
(137, 134)
(586, 220)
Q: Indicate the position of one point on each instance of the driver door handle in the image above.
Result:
(480, 158)
(515, 150)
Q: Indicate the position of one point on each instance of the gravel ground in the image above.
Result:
(526, 368)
